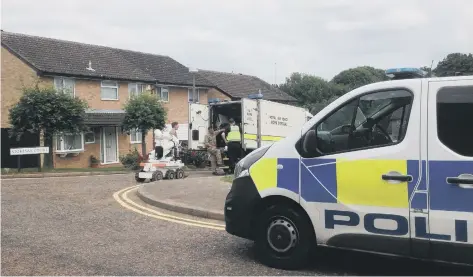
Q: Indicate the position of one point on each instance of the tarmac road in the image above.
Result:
(96, 226)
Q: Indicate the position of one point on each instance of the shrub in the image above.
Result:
(132, 159)
(194, 158)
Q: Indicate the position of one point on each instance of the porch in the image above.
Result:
(105, 141)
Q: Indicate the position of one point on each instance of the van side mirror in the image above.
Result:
(309, 145)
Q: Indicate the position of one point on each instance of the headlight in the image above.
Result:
(245, 163)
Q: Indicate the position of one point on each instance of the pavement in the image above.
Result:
(96, 225)
(202, 197)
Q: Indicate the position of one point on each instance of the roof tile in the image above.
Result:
(240, 86)
(72, 58)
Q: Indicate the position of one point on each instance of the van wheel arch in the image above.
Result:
(279, 200)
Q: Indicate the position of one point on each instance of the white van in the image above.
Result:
(386, 168)
(276, 120)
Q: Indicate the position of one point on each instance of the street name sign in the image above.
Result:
(28, 151)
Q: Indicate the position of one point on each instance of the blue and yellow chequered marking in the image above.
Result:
(354, 182)
(359, 182)
(265, 174)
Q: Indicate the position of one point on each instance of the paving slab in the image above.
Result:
(204, 196)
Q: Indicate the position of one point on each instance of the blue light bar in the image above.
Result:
(405, 73)
(256, 96)
(214, 100)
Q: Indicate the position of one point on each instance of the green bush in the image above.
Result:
(132, 160)
(195, 158)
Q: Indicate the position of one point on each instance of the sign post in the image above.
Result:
(28, 151)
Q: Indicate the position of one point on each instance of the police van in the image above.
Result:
(386, 168)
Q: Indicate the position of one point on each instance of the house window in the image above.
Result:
(190, 95)
(89, 137)
(109, 90)
(69, 143)
(163, 94)
(135, 89)
(65, 85)
(135, 136)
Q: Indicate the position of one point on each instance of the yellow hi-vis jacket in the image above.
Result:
(234, 134)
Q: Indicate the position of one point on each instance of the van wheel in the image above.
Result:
(283, 237)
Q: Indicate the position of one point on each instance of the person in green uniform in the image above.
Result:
(210, 142)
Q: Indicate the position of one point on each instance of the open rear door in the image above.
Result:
(250, 115)
(198, 124)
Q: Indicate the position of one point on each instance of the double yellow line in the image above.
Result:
(122, 198)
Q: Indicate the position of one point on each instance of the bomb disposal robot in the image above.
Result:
(163, 162)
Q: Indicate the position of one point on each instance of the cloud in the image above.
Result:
(259, 37)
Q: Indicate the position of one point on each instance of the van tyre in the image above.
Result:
(157, 175)
(284, 237)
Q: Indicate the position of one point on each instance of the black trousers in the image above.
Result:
(234, 153)
(158, 151)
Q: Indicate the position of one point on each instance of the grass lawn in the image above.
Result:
(59, 170)
(227, 178)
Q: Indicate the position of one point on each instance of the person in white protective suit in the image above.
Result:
(164, 144)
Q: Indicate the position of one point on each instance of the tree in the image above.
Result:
(46, 112)
(427, 69)
(455, 64)
(144, 112)
(309, 89)
(359, 76)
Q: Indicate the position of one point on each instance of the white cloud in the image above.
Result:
(317, 37)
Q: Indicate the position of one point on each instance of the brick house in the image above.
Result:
(106, 78)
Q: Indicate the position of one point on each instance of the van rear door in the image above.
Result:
(250, 115)
(198, 125)
(280, 120)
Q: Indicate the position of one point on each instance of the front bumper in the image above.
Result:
(240, 206)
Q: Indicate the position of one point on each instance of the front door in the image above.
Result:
(450, 170)
(359, 179)
(109, 145)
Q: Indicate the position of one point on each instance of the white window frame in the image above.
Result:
(140, 88)
(59, 136)
(62, 79)
(189, 93)
(108, 86)
(131, 137)
(161, 94)
(89, 142)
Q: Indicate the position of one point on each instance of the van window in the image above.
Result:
(372, 120)
(455, 119)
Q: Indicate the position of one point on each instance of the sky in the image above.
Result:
(266, 38)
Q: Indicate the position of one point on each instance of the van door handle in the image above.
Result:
(464, 181)
(396, 176)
